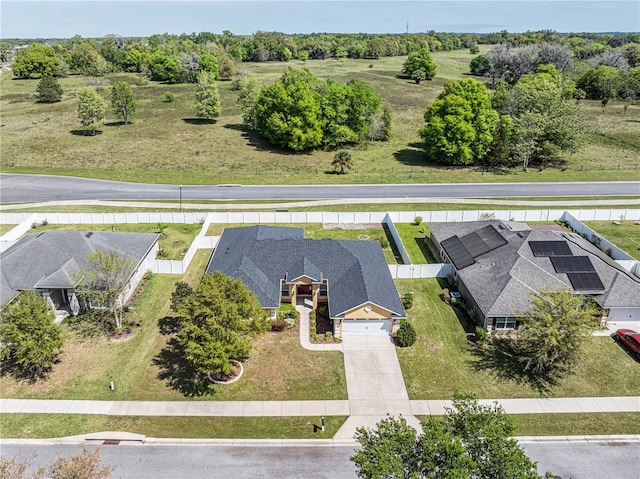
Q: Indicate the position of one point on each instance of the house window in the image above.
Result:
(323, 288)
(284, 290)
(504, 323)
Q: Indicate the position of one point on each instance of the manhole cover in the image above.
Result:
(363, 237)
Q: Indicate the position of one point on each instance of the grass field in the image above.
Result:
(164, 145)
(143, 367)
(31, 426)
(625, 236)
(174, 240)
(442, 363)
(316, 231)
(412, 237)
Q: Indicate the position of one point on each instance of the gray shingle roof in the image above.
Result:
(501, 280)
(52, 258)
(261, 256)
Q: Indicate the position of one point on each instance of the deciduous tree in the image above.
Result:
(49, 90)
(104, 281)
(552, 331)
(420, 60)
(220, 320)
(460, 124)
(470, 441)
(207, 97)
(91, 109)
(36, 60)
(122, 101)
(28, 335)
(249, 91)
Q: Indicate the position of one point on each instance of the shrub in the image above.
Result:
(446, 295)
(278, 325)
(312, 315)
(417, 220)
(406, 335)
(328, 336)
(407, 301)
(323, 311)
(384, 243)
(481, 335)
(169, 97)
(287, 311)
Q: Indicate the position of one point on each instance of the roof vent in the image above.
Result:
(521, 234)
(501, 226)
(40, 234)
(88, 235)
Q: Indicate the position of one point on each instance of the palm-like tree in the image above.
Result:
(341, 161)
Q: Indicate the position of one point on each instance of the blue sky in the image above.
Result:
(96, 18)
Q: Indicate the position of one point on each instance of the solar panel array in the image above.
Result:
(550, 248)
(572, 264)
(585, 281)
(579, 269)
(465, 249)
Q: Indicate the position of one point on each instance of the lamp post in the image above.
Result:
(180, 198)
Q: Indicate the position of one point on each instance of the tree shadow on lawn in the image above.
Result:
(259, 142)
(20, 373)
(199, 121)
(502, 358)
(424, 249)
(178, 373)
(85, 132)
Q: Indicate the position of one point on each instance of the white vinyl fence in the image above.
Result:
(407, 270)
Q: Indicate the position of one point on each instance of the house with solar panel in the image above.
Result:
(497, 264)
(280, 265)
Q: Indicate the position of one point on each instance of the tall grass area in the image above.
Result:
(163, 145)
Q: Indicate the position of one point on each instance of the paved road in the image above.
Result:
(576, 460)
(29, 188)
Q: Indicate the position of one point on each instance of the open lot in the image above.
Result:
(163, 145)
(625, 236)
(279, 368)
(442, 362)
(174, 240)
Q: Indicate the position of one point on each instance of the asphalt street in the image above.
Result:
(37, 188)
(576, 460)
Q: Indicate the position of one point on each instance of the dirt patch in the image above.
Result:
(352, 226)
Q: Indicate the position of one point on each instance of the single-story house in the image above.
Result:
(279, 265)
(497, 264)
(49, 263)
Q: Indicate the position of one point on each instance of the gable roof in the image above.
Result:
(263, 256)
(502, 279)
(52, 259)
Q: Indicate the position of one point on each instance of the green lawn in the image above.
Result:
(316, 231)
(442, 363)
(174, 241)
(625, 236)
(576, 424)
(162, 145)
(412, 237)
(4, 228)
(31, 426)
(142, 367)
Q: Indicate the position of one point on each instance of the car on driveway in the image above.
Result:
(631, 341)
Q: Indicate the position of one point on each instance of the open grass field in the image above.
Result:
(625, 236)
(165, 145)
(316, 231)
(174, 240)
(143, 367)
(31, 426)
(441, 362)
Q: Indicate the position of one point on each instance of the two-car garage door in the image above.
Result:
(366, 327)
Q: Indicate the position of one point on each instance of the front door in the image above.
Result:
(304, 290)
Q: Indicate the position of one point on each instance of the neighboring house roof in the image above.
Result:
(262, 256)
(502, 279)
(52, 259)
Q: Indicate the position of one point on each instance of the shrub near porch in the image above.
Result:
(442, 362)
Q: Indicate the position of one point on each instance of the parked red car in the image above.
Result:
(631, 341)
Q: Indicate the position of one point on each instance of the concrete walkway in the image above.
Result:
(306, 408)
(304, 307)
